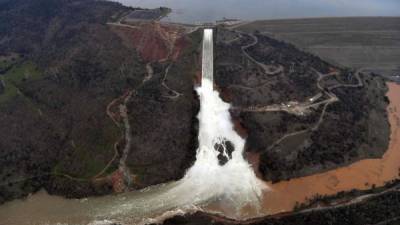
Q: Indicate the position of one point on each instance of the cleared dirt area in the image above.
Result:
(371, 43)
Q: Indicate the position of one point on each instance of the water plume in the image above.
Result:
(220, 173)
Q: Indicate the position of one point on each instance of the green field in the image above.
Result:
(18, 74)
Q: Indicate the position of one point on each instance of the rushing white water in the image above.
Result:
(232, 183)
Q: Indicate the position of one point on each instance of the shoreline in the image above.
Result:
(277, 202)
(365, 174)
(362, 175)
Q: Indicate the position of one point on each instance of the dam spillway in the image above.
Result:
(220, 175)
(207, 69)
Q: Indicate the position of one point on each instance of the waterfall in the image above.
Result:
(219, 174)
(220, 171)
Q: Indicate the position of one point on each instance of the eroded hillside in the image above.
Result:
(71, 83)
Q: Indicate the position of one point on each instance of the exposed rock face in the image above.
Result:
(225, 149)
(153, 41)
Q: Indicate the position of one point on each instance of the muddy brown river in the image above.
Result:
(42, 208)
(360, 175)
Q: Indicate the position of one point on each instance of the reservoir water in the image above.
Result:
(221, 180)
(199, 11)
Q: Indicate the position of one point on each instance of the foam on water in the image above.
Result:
(232, 183)
(235, 181)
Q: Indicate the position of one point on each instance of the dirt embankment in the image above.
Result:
(154, 42)
(159, 46)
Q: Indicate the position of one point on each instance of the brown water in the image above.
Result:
(360, 175)
(42, 208)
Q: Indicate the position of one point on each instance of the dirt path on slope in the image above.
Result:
(360, 175)
(155, 43)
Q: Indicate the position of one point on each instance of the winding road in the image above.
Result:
(293, 107)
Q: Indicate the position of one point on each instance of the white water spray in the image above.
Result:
(232, 183)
